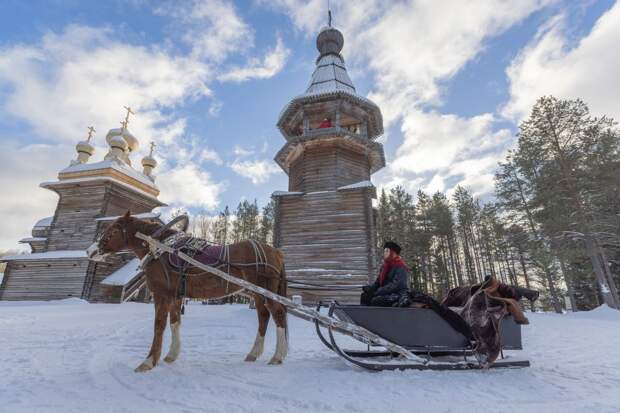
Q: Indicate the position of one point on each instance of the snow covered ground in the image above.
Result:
(70, 356)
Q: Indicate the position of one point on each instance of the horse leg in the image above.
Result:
(263, 319)
(162, 307)
(175, 327)
(278, 312)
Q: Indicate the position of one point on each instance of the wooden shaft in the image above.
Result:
(296, 309)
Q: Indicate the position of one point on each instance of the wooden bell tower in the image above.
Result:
(324, 223)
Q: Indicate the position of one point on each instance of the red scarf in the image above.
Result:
(393, 261)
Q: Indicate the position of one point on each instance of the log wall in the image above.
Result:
(44, 280)
(327, 239)
(327, 166)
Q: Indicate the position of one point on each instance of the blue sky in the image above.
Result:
(208, 79)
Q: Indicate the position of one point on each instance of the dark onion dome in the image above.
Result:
(329, 40)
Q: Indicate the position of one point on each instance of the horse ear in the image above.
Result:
(127, 214)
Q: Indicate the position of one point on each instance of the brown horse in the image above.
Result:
(164, 283)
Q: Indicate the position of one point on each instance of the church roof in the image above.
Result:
(330, 81)
(73, 170)
(330, 75)
(124, 274)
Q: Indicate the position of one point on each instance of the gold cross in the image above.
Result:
(152, 147)
(91, 130)
(129, 111)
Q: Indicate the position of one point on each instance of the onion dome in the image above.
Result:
(85, 147)
(84, 150)
(123, 133)
(117, 141)
(329, 40)
(149, 161)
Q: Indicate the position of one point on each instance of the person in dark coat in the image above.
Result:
(391, 284)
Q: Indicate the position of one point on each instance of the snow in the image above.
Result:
(144, 215)
(362, 184)
(113, 164)
(56, 358)
(285, 193)
(46, 255)
(99, 178)
(45, 222)
(124, 274)
(31, 239)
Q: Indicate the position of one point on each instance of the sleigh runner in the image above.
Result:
(415, 339)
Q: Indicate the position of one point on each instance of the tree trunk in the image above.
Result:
(608, 291)
(569, 283)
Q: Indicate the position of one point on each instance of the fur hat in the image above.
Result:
(392, 246)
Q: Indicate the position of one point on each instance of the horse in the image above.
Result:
(259, 264)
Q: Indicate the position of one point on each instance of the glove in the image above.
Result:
(366, 288)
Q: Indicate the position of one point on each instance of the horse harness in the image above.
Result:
(196, 247)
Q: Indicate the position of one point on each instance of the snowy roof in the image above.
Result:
(110, 164)
(99, 178)
(145, 215)
(124, 274)
(286, 193)
(362, 184)
(31, 239)
(45, 222)
(46, 255)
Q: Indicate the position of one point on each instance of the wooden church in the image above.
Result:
(325, 222)
(90, 195)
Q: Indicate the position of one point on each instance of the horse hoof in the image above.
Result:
(145, 366)
(169, 359)
(274, 361)
(250, 358)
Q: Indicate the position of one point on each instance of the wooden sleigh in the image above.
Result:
(416, 339)
(421, 331)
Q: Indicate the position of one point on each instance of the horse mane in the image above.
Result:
(148, 228)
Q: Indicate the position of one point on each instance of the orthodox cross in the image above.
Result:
(152, 147)
(126, 121)
(329, 15)
(91, 130)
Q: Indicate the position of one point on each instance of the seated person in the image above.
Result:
(327, 123)
(391, 283)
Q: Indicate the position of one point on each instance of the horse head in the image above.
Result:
(120, 235)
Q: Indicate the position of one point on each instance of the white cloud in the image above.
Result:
(549, 66)
(240, 151)
(437, 147)
(23, 202)
(272, 63)
(83, 76)
(210, 155)
(215, 108)
(258, 171)
(189, 186)
(212, 28)
(434, 141)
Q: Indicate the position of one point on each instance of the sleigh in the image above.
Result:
(421, 331)
(413, 339)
